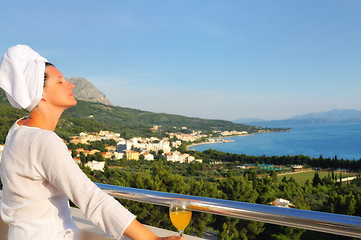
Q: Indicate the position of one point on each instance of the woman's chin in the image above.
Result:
(75, 102)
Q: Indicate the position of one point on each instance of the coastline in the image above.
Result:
(227, 141)
(339, 140)
(217, 141)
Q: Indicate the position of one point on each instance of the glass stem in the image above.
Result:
(181, 233)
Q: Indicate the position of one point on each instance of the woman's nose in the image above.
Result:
(71, 86)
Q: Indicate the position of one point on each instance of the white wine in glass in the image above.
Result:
(180, 215)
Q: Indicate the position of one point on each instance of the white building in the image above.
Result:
(94, 165)
(136, 140)
(176, 157)
(172, 157)
(165, 146)
(140, 147)
(176, 144)
(124, 145)
(162, 145)
(280, 202)
(83, 134)
(118, 155)
(179, 157)
(148, 156)
(190, 158)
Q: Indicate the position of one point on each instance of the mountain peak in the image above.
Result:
(85, 90)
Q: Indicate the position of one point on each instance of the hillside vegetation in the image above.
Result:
(93, 117)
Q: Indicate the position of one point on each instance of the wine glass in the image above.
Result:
(180, 214)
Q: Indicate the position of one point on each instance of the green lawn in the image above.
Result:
(302, 177)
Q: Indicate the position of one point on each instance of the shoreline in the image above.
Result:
(236, 135)
(224, 141)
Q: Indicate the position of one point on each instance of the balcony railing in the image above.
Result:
(317, 221)
(311, 220)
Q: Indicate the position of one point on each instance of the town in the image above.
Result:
(138, 148)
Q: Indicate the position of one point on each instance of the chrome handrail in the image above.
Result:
(311, 220)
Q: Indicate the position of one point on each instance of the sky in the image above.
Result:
(205, 58)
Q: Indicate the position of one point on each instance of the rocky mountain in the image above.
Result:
(85, 90)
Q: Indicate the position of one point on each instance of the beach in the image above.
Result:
(217, 140)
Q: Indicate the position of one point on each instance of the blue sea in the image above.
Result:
(328, 140)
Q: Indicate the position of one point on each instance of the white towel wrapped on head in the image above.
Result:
(22, 76)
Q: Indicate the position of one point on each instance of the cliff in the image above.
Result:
(84, 90)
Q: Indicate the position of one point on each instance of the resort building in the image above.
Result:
(179, 157)
(118, 155)
(124, 146)
(111, 149)
(132, 155)
(174, 157)
(148, 156)
(107, 154)
(280, 202)
(94, 165)
(297, 168)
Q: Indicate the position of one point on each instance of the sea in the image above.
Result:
(328, 140)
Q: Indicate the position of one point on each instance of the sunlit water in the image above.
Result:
(343, 140)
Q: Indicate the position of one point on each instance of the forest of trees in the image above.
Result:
(225, 182)
(319, 162)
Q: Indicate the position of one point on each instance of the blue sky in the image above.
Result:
(209, 59)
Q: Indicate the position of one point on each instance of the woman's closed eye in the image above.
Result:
(60, 79)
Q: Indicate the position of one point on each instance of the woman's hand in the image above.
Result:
(137, 231)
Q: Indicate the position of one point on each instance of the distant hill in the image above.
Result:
(133, 122)
(339, 115)
(85, 90)
(334, 116)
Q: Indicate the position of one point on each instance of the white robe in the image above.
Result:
(39, 176)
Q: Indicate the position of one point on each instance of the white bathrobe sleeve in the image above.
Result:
(53, 161)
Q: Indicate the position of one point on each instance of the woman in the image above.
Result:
(38, 174)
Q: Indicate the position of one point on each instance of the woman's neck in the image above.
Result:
(46, 120)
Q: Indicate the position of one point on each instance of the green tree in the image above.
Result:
(98, 156)
(316, 179)
(74, 153)
(82, 158)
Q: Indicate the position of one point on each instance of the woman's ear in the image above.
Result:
(43, 96)
(43, 100)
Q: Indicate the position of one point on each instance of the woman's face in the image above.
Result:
(57, 90)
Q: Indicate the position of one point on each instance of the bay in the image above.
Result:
(328, 140)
